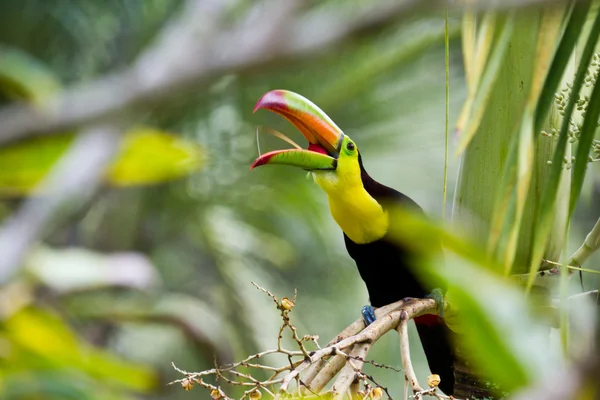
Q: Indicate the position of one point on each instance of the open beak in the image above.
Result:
(323, 135)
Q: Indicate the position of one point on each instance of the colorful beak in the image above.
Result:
(323, 135)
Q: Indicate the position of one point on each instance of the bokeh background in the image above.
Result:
(147, 275)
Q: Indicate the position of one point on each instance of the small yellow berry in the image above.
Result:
(255, 394)
(187, 384)
(215, 394)
(287, 304)
(377, 393)
(433, 380)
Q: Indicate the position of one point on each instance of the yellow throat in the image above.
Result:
(358, 214)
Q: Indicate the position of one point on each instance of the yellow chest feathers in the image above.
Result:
(358, 214)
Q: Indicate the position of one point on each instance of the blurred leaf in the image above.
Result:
(505, 200)
(550, 29)
(476, 108)
(476, 53)
(150, 156)
(147, 156)
(423, 236)
(560, 60)
(510, 186)
(523, 182)
(51, 388)
(24, 77)
(44, 335)
(586, 136)
(74, 269)
(468, 33)
(376, 60)
(236, 237)
(24, 164)
(497, 138)
(501, 331)
(544, 215)
(15, 296)
(487, 31)
(200, 321)
(509, 204)
(55, 385)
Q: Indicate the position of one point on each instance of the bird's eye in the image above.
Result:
(350, 146)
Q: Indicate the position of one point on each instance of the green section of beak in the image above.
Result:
(305, 159)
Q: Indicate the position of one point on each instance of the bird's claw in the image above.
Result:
(368, 313)
(437, 295)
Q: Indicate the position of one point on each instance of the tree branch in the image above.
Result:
(321, 372)
(78, 174)
(349, 372)
(587, 248)
(349, 350)
(409, 371)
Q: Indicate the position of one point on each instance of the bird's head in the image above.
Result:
(331, 156)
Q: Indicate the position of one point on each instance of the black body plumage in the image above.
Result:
(387, 268)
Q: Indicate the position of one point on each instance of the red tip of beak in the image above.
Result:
(257, 163)
(273, 100)
(264, 159)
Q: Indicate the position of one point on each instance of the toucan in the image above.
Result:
(360, 206)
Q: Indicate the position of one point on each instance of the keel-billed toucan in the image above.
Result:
(359, 206)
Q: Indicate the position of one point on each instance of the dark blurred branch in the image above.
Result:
(74, 180)
(193, 49)
(78, 174)
(190, 51)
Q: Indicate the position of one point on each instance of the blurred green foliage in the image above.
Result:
(201, 239)
(25, 164)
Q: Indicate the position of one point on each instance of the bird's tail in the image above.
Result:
(436, 339)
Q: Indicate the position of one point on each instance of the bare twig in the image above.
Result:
(409, 371)
(348, 351)
(588, 247)
(349, 373)
(324, 372)
(321, 372)
(188, 383)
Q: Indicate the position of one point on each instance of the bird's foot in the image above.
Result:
(368, 313)
(438, 296)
